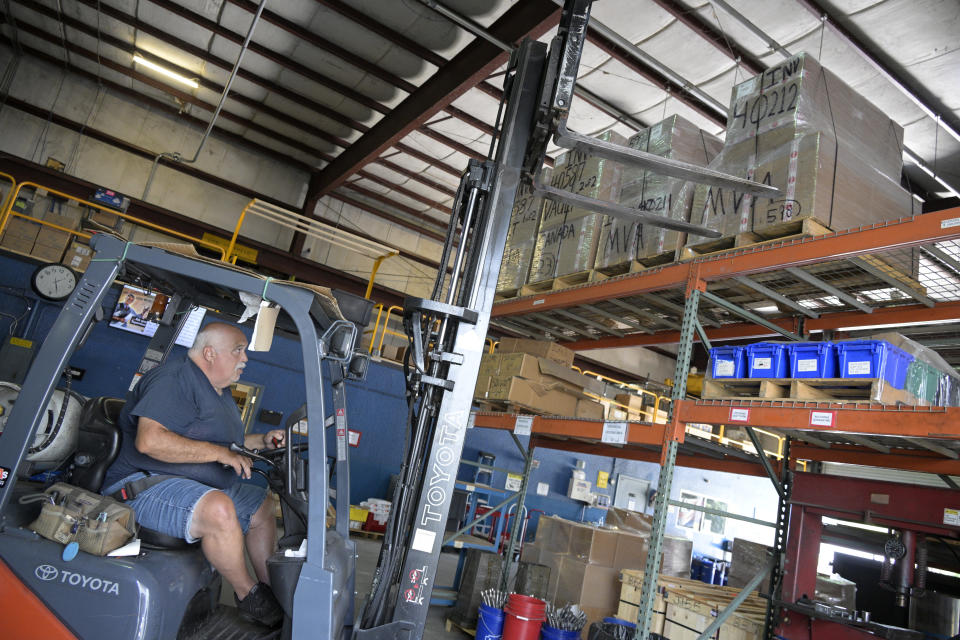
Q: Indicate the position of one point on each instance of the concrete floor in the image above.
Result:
(369, 551)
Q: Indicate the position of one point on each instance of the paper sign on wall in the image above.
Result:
(514, 482)
(543, 488)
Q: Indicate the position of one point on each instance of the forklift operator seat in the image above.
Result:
(98, 445)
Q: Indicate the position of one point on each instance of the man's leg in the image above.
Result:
(262, 539)
(221, 539)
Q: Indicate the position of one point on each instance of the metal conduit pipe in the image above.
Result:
(467, 24)
(216, 113)
(641, 56)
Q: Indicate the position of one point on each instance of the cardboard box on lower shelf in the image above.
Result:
(539, 348)
(531, 395)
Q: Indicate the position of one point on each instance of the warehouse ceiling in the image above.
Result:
(385, 100)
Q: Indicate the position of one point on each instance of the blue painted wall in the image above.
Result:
(378, 410)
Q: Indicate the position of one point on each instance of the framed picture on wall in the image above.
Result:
(712, 523)
(690, 518)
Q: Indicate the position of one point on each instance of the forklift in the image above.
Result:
(167, 593)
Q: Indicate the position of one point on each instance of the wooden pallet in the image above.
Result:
(452, 624)
(562, 282)
(838, 389)
(362, 533)
(805, 228)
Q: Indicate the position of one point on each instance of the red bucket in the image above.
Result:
(525, 616)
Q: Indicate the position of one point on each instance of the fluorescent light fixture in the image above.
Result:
(190, 82)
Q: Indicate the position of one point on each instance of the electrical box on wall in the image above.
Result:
(580, 488)
(601, 501)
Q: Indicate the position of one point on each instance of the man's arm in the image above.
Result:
(156, 441)
(265, 440)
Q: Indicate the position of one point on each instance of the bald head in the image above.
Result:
(219, 350)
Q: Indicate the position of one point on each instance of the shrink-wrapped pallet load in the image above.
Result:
(567, 237)
(521, 239)
(623, 240)
(835, 157)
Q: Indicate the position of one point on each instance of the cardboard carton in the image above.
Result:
(567, 237)
(521, 238)
(532, 395)
(19, 235)
(836, 158)
(593, 545)
(540, 348)
(622, 240)
(78, 256)
(631, 550)
(588, 409)
(588, 584)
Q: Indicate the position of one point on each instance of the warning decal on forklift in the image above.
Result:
(951, 516)
(4, 474)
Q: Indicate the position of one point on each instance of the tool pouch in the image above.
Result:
(98, 524)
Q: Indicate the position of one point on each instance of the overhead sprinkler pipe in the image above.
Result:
(175, 156)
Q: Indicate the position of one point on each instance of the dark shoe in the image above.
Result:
(261, 606)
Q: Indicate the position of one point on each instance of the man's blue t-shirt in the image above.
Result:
(179, 396)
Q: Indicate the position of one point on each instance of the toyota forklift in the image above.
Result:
(165, 592)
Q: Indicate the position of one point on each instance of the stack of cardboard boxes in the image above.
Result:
(835, 157)
(43, 242)
(567, 237)
(585, 561)
(521, 239)
(536, 375)
(623, 240)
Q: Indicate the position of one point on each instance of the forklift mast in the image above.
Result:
(447, 332)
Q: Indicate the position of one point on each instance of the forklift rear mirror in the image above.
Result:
(358, 367)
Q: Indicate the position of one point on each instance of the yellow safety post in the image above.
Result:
(236, 232)
(373, 272)
(376, 324)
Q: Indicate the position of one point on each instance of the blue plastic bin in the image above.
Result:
(812, 360)
(767, 360)
(873, 359)
(727, 362)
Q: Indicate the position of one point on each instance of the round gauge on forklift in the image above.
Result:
(54, 281)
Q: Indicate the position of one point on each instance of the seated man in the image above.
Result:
(179, 420)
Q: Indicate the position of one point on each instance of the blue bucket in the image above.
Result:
(549, 633)
(490, 623)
